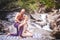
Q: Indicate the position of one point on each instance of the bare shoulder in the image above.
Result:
(16, 15)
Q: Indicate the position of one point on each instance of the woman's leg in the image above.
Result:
(26, 33)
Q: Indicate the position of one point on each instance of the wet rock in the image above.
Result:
(11, 17)
(1, 28)
(38, 25)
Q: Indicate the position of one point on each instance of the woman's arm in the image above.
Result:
(24, 22)
(16, 18)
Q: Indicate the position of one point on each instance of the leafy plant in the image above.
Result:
(48, 3)
(29, 5)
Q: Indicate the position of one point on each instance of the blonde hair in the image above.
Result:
(23, 10)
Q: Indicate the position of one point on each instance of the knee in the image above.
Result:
(23, 34)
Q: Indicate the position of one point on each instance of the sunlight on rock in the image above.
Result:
(39, 25)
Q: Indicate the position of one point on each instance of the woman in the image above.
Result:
(20, 24)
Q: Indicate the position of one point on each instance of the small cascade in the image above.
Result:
(39, 24)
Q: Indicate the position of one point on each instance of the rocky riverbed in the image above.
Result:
(38, 24)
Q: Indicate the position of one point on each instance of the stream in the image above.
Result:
(39, 25)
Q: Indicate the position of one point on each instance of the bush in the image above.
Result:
(29, 5)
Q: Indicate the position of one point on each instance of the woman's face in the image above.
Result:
(23, 11)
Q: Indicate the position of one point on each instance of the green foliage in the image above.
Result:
(48, 3)
(6, 1)
(7, 4)
(32, 5)
(29, 5)
(57, 3)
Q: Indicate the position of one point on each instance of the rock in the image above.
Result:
(39, 26)
(35, 16)
(1, 29)
(11, 17)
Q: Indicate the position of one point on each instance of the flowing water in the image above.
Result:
(41, 29)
